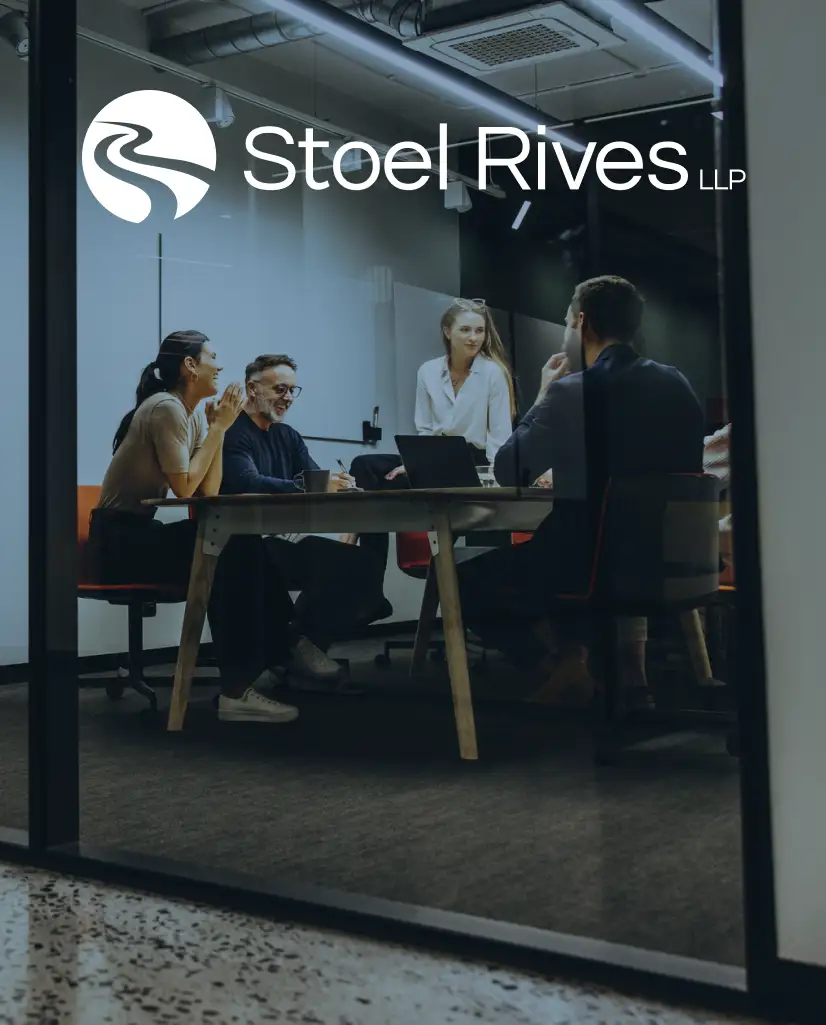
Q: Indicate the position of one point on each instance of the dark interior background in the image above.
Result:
(665, 242)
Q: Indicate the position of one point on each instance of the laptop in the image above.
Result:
(437, 461)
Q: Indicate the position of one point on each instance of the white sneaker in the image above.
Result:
(254, 707)
(308, 660)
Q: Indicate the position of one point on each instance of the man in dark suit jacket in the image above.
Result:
(602, 410)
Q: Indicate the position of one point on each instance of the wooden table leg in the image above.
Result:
(197, 600)
(430, 605)
(455, 639)
(697, 651)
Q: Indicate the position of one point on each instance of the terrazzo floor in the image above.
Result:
(75, 953)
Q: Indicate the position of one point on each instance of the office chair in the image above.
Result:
(413, 557)
(657, 551)
(139, 599)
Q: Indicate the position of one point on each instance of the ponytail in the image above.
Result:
(149, 384)
(162, 374)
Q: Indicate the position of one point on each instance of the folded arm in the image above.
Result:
(242, 477)
(186, 475)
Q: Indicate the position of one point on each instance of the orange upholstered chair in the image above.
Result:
(139, 599)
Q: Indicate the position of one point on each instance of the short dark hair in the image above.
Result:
(612, 306)
(262, 363)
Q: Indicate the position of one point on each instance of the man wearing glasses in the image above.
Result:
(340, 584)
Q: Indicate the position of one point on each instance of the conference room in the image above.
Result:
(326, 308)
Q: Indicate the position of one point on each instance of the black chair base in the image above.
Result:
(384, 661)
(115, 689)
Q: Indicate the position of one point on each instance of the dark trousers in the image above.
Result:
(507, 592)
(340, 584)
(370, 474)
(250, 610)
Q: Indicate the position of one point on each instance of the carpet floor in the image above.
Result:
(367, 794)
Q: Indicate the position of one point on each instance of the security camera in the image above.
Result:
(457, 197)
(15, 30)
(216, 108)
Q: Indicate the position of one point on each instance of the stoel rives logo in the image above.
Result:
(149, 134)
(157, 135)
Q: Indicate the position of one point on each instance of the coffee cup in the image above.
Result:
(313, 482)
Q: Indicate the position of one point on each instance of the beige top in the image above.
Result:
(161, 440)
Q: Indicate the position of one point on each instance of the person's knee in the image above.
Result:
(360, 464)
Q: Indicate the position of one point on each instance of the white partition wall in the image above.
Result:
(783, 45)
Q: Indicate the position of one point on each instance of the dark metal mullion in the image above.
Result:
(53, 712)
(758, 858)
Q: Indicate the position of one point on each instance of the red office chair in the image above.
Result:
(140, 600)
(413, 559)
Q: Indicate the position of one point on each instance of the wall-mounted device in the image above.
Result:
(370, 430)
(215, 106)
(15, 30)
(457, 197)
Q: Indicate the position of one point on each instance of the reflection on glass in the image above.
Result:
(14, 290)
(428, 489)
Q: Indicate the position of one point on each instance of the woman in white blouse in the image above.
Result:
(467, 392)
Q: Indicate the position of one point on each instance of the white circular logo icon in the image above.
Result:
(151, 134)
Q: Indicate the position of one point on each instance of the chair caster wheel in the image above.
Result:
(733, 744)
(114, 690)
(382, 661)
(437, 655)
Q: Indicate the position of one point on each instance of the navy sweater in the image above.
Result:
(263, 462)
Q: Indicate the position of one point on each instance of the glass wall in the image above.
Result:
(14, 301)
(380, 672)
(786, 225)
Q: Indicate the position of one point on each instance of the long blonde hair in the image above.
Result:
(492, 346)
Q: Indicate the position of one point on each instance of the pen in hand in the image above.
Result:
(346, 474)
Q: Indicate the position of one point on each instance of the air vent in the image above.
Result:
(546, 32)
(516, 44)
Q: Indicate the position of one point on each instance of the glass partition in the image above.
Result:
(433, 695)
(14, 300)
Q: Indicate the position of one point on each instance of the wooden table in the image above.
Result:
(440, 513)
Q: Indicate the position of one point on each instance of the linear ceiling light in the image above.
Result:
(521, 215)
(329, 20)
(642, 23)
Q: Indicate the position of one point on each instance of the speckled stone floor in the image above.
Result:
(74, 953)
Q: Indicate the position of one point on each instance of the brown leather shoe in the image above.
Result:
(568, 684)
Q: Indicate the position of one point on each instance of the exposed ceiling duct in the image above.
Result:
(315, 18)
(404, 18)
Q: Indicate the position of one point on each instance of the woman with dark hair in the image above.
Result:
(162, 445)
